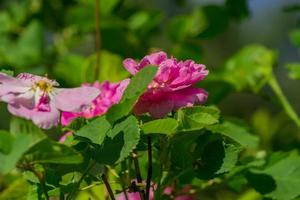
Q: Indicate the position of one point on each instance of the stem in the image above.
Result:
(138, 172)
(283, 100)
(137, 167)
(107, 185)
(97, 38)
(42, 182)
(70, 196)
(149, 174)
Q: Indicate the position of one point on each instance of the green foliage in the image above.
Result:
(237, 133)
(195, 148)
(120, 142)
(182, 27)
(11, 73)
(17, 190)
(294, 70)
(28, 49)
(95, 131)
(250, 68)
(48, 151)
(285, 175)
(295, 37)
(6, 141)
(136, 87)
(110, 68)
(197, 117)
(26, 135)
(162, 126)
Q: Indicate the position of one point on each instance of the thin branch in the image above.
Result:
(149, 174)
(283, 100)
(97, 38)
(138, 172)
(42, 182)
(73, 192)
(107, 185)
(137, 167)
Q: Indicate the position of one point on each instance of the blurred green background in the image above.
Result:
(57, 37)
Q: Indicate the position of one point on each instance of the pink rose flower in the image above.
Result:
(172, 87)
(36, 98)
(111, 93)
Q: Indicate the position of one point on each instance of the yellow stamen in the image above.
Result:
(44, 85)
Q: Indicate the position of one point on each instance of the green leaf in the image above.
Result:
(236, 132)
(230, 159)
(162, 126)
(197, 117)
(212, 156)
(6, 142)
(134, 90)
(16, 190)
(26, 136)
(294, 70)
(286, 175)
(53, 152)
(250, 67)
(131, 136)
(95, 131)
(121, 141)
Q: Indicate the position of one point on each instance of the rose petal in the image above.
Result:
(72, 100)
(44, 120)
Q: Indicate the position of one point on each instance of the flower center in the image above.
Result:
(42, 90)
(44, 86)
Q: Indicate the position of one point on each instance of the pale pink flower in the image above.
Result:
(172, 87)
(111, 93)
(38, 99)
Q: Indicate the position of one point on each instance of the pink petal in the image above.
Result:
(30, 79)
(9, 84)
(131, 66)
(154, 58)
(68, 117)
(72, 100)
(188, 97)
(44, 120)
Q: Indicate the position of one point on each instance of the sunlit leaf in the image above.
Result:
(197, 117)
(161, 126)
(236, 132)
(136, 87)
(95, 131)
(250, 67)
